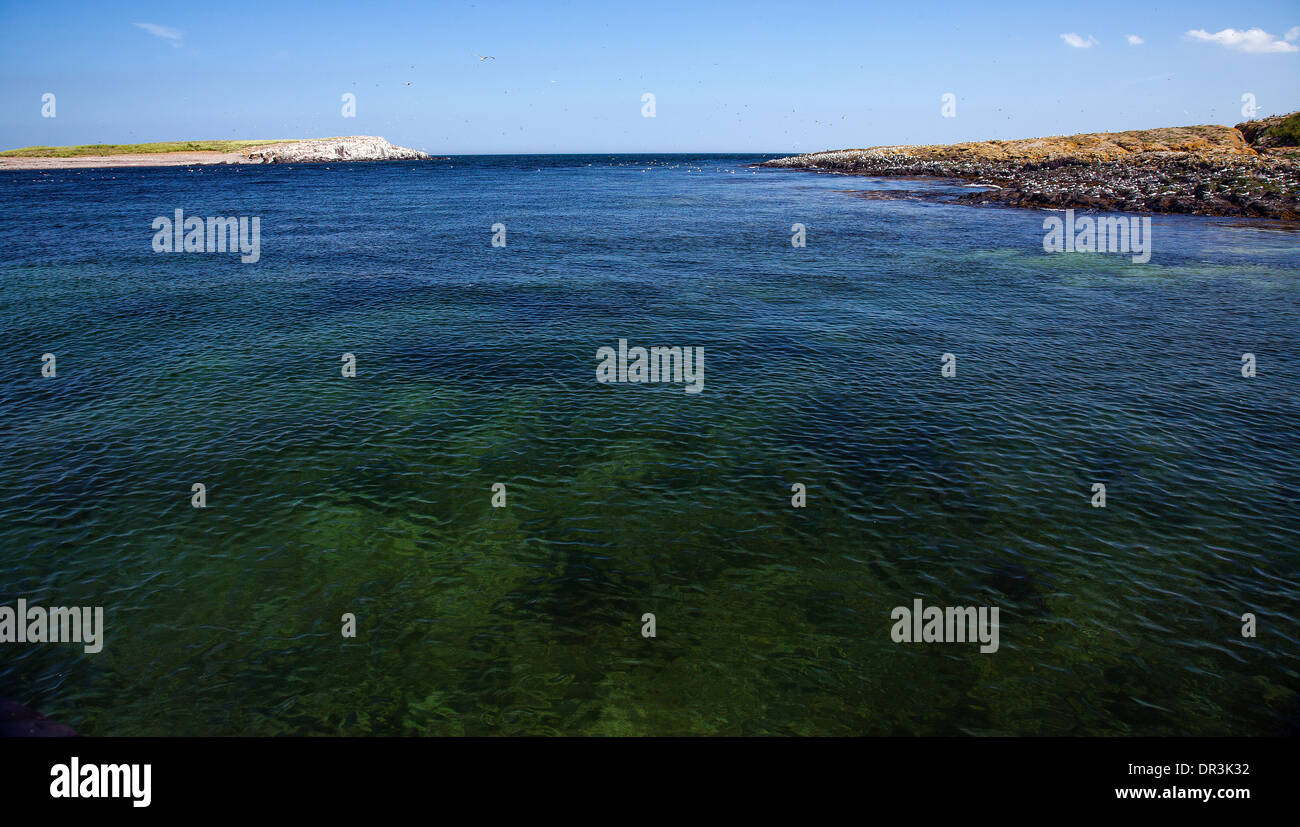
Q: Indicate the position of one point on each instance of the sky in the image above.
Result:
(726, 76)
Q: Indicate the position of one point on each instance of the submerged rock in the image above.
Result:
(18, 721)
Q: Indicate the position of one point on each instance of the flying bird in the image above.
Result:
(481, 57)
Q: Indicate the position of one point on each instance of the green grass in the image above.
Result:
(1287, 133)
(123, 149)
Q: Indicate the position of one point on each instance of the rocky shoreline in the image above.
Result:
(1245, 171)
(322, 150)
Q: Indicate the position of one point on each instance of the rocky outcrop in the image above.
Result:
(1275, 137)
(1253, 188)
(1208, 141)
(1201, 170)
(321, 150)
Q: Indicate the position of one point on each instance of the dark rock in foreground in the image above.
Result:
(18, 721)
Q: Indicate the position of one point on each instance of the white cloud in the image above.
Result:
(165, 32)
(1134, 40)
(1292, 33)
(1254, 41)
(1078, 42)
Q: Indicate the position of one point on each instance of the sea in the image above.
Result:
(372, 484)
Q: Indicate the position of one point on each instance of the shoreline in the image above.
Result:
(1181, 187)
(1201, 170)
(351, 149)
(134, 159)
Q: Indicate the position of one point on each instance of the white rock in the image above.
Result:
(354, 148)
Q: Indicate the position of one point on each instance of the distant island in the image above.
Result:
(1252, 169)
(185, 153)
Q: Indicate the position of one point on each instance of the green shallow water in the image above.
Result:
(477, 365)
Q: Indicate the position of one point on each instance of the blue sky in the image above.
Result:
(569, 77)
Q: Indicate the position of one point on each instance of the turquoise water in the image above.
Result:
(476, 365)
